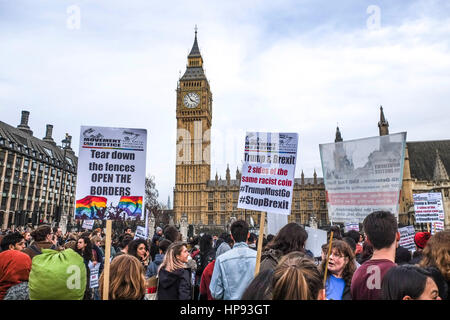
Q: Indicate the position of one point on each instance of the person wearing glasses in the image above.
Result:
(341, 266)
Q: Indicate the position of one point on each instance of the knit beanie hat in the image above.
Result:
(421, 239)
(57, 275)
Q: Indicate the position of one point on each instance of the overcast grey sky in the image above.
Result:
(292, 66)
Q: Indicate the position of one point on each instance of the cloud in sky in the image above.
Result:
(273, 66)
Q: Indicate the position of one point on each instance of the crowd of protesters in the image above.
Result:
(45, 264)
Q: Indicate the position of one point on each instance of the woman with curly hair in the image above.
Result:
(437, 254)
(291, 237)
(139, 249)
(126, 279)
(341, 267)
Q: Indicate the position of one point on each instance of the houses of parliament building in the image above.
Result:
(38, 177)
(202, 202)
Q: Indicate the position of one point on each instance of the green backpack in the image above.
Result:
(57, 275)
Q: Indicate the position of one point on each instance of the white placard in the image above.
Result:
(351, 226)
(94, 274)
(275, 222)
(316, 239)
(140, 233)
(362, 176)
(88, 224)
(407, 238)
(428, 207)
(111, 173)
(267, 180)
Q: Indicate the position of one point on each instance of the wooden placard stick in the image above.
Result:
(428, 226)
(328, 259)
(262, 221)
(107, 263)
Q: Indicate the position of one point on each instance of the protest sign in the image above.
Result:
(140, 233)
(88, 224)
(111, 173)
(407, 238)
(362, 176)
(275, 222)
(94, 274)
(351, 226)
(316, 238)
(268, 171)
(428, 207)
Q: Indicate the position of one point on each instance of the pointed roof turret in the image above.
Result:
(194, 70)
(195, 51)
(338, 135)
(440, 174)
(383, 125)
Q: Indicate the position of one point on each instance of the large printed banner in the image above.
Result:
(362, 176)
(111, 173)
(428, 207)
(268, 172)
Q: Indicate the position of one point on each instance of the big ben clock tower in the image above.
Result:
(194, 113)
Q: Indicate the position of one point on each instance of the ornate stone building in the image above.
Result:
(34, 173)
(212, 203)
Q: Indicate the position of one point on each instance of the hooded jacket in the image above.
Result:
(174, 285)
(152, 269)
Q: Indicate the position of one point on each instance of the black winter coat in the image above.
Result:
(175, 285)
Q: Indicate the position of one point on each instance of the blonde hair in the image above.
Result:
(96, 239)
(437, 253)
(126, 279)
(170, 262)
(296, 277)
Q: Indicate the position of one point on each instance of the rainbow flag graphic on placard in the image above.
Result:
(131, 205)
(87, 207)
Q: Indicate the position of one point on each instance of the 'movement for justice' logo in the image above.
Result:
(129, 140)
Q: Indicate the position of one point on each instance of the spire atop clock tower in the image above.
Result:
(194, 70)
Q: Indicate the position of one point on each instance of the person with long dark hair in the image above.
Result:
(291, 237)
(139, 248)
(84, 249)
(409, 282)
(206, 255)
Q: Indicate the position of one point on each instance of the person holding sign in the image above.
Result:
(291, 237)
(341, 267)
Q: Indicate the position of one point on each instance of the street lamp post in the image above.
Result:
(65, 145)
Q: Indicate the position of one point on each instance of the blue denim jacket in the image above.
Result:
(233, 272)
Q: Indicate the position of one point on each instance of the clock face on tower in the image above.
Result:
(191, 100)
